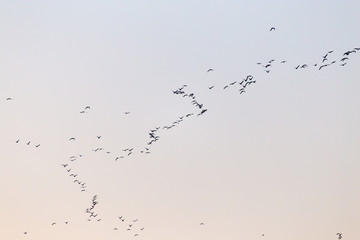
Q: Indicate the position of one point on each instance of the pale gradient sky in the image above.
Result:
(282, 159)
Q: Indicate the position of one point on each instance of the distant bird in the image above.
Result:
(348, 53)
(339, 235)
(66, 222)
(343, 64)
(17, 141)
(9, 99)
(37, 145)
(210, 70)
(71, 139)
(87, 107)
(82, 112)
(283, 61)
(98, 137)
(202, 224)
(267, 65)
(127, 112)
(232, 83)
(323, 66)
(226, 87)
(53, 224)
(64, 165)
(142, 229)
(267, 71)
(28, 143)
(272, 28)
(202, 112)
(262, 235)
(115, 229)
(136, 235)
(211, 87)
(343, 59)
(297, 66)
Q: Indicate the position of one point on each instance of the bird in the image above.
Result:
(115, 229)
(72, 139)
(142, 229)
(53, 224)
(211, 87)
(37, 145)
(136, 235)
(82, 112)
(202, 224)
(267, 71)
(98, 137)
(17, 141)
(66, 222)
(28, 143)
(283, 61)
(339, 235)
(226, 87)
(297, 66)
(262, 235)
(9, 99)
(348, 53)
(87, 107)
(323, 66)
(272, 28)
(267, 65)
(127, 112)
(210, 70)
(343, 59)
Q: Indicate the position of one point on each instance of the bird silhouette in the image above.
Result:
(71, 139)
(210, 70)
(272, 28)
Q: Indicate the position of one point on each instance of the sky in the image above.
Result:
(280, 159)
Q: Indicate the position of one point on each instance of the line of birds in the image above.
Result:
(325, 62)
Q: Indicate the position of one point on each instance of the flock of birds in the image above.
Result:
(154, 133)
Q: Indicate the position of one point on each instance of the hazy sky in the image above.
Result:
(281, 159)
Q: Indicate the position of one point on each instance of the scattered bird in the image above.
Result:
(71, 139)
(210, 70)
(272, 29)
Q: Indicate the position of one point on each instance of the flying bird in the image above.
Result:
(272, 28)
(210, 70)
(71, 139)
(9, 99)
